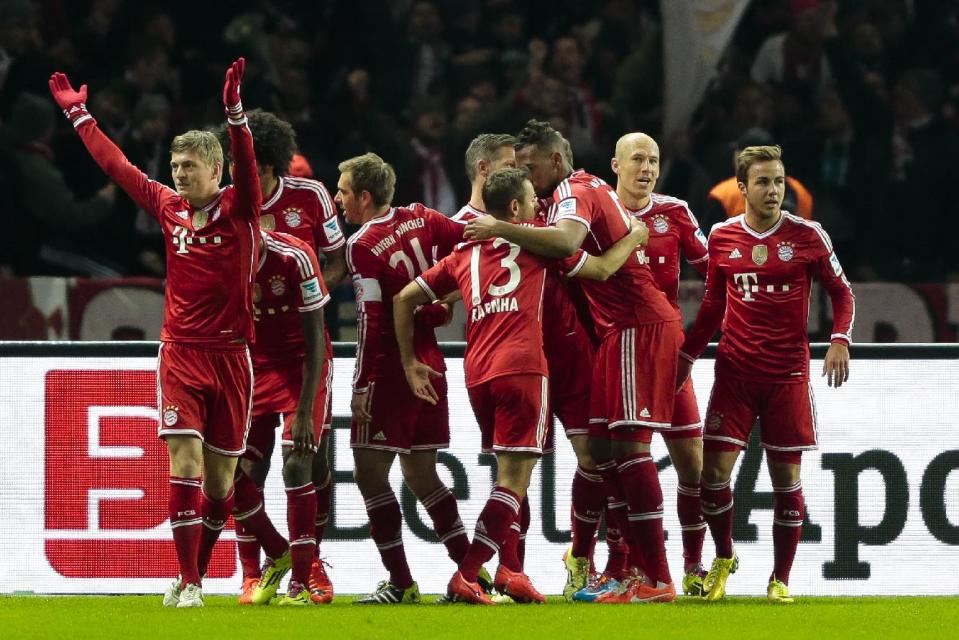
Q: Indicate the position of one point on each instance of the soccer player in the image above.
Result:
(673, 233)
(569, 352)
(393, 246)
(502, 287)
(302, 208)
(640, 332)
(292, 376)
(487, 153)
(761, 266)
(204, 374)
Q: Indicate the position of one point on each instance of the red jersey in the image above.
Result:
(384, 256)
(288, 283)
(502, 288)
(673, 232)
(757, 286)
(303, 208)
(630, 298)
(467, 213)
(210, 252)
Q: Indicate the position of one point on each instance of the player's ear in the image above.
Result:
(482, 169)
(742, 188)
(614, 163)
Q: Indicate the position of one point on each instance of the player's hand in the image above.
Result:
(71, 101)
(231, 88)
(418, 376)
(836, 364)
(302, 431)
(358, 403)
(639, 231)
(481, 228)
(684, 369)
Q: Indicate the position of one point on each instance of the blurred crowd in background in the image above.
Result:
(863, 96)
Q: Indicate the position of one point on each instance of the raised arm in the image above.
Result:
(559, 241)
(604, 266)
(246, 180)
(148, 195)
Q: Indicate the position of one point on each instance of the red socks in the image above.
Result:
(248, 510)
(789, 512)
(587, 508)
(524, 521)
(691, 523)
(249, 550)
(644, 497)
(617, 525)
(386, 531)
(323, 495)
(215, 514)
(186, 522)
(301, 520)
(717, 507)
(441, 506)
(492, 528)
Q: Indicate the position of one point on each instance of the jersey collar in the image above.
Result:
(276, 194)
(767, 232)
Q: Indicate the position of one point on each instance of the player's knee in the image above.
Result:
(297, 469)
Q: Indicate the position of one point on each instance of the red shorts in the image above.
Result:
(634, 382)
(570, 368)
(207, 394)
(400, 421)
(786, 412)
(512, 412)
(686, 420)
(276, 393)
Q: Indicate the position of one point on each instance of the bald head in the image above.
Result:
(626, 144)
(636, 165)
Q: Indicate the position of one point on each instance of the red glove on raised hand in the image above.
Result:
(231, 91)
(72, 102)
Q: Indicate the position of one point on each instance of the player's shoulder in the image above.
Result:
(466, 213)
(668, 205)
(811, 229)
(729, 227)
(372, 231)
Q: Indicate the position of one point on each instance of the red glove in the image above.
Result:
(72, 102)
(231, 91)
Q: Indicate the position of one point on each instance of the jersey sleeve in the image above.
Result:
(826, 269)
(570, 206)
(327, 232)
(364, 267)
(149, 195)
(570, 266)
(692, 241)
(711, 311)
(246, 180)
(446, 233)
(313, 293)
(438, 281)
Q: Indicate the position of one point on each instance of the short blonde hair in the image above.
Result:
(203, 143)
(753, 155)
(371, 173)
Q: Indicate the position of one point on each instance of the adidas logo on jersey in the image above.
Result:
(644, 413)
(379, 436)
(735, 254)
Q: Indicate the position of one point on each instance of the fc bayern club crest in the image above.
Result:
(660, 224)
(293, 217)
(785, 251)
(760, 254)
(268, 222)
(278, 285)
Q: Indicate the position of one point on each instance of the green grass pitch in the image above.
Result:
(134, 617)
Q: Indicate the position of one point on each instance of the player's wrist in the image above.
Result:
(77, 114)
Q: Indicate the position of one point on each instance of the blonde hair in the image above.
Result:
(752, 155)
(203, 143)
(371, 173)
(484, 147)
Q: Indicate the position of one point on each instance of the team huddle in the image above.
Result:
(245, 353)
